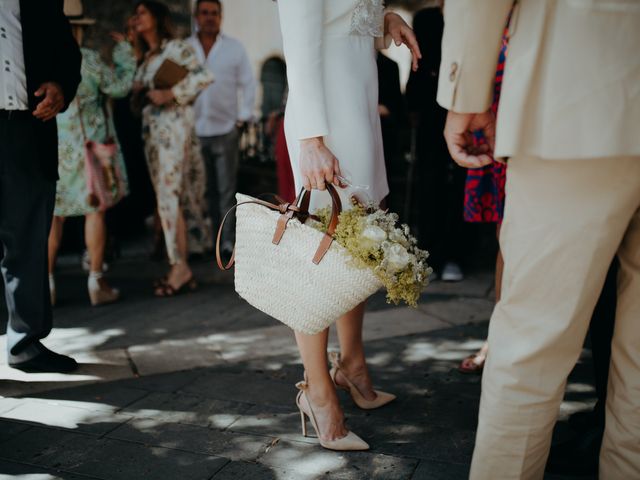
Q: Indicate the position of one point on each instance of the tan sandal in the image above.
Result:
(165, 289)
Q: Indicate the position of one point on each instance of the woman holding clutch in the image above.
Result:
(333, 131)
(171, 146)
(87, 120)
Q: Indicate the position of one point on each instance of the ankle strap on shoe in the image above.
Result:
(334, 358)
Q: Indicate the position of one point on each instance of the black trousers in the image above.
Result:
(601, 335)
(26, 209)
(439, 190)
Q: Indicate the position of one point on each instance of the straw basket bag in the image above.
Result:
(290, 270)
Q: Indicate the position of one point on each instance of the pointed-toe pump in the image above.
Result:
(349, 442)
(382, 398)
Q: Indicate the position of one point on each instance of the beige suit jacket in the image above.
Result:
(572, 78)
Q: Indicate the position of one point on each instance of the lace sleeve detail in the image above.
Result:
(368, 18)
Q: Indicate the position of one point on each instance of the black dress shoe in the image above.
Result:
(46, 361)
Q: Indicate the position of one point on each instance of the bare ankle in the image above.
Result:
(353, 366)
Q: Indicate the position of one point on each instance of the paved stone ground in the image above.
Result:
(202, 387)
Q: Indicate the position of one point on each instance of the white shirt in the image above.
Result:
(218, 107)
(13, 79)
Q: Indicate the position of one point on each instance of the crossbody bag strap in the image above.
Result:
(84, 132)
(109, 137)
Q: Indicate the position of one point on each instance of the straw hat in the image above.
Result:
(74, 12)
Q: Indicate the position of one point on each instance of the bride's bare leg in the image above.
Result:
(352, 357)
(321, 392)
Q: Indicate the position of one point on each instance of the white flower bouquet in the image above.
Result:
(374, 240)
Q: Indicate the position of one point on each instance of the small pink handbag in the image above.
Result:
(105, 184)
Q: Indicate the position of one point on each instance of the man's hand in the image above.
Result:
(458, 132)
(160, 97)
(117, 37)
(51, 104)
(401, 33)
(242, 126)
(383, 111)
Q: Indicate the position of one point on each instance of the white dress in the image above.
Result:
(329, 47)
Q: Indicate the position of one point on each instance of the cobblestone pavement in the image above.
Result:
(201, 386)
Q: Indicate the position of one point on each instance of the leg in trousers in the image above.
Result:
(211, 151)
(26, 212)
(564, 221)
(227, 175)
(620, 454)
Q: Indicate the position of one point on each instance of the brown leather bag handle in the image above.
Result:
(287, 211)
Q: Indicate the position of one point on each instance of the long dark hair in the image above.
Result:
(164, 25)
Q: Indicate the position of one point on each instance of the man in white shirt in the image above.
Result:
(223, 107)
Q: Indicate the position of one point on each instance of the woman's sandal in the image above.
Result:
(167, 290)
(158, 282)
(470, 365)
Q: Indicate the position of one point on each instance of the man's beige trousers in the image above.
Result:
(564, 222)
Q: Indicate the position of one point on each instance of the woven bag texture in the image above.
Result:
(282, 280)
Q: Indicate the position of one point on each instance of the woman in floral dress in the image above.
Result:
(99, 83)
(171, 146)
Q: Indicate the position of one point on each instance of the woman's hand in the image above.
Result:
(317, 164)
(401, 33)
(160, 97)
(117, 37)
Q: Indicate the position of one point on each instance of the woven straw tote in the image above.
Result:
(290, 270)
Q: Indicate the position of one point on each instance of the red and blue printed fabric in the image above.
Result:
(484, 193)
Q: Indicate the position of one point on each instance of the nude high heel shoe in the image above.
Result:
(349, 442)
(382, 398)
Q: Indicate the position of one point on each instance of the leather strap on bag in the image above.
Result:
(299, 209)
(105, 112)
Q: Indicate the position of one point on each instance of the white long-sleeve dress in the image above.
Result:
(329, 47)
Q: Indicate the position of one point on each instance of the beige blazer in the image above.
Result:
(572, 78)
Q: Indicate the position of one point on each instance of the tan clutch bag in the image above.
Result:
(169, 74)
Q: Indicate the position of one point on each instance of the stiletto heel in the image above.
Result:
(382, 398)
(351, 441)
(303, 422)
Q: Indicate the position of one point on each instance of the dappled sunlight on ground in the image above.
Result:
(421, 351)
(203, 387)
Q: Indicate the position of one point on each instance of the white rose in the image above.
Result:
(397, 257)
(373, 236)
(397, 236)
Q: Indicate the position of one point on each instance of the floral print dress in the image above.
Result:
(99, 82)
(173, 151)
